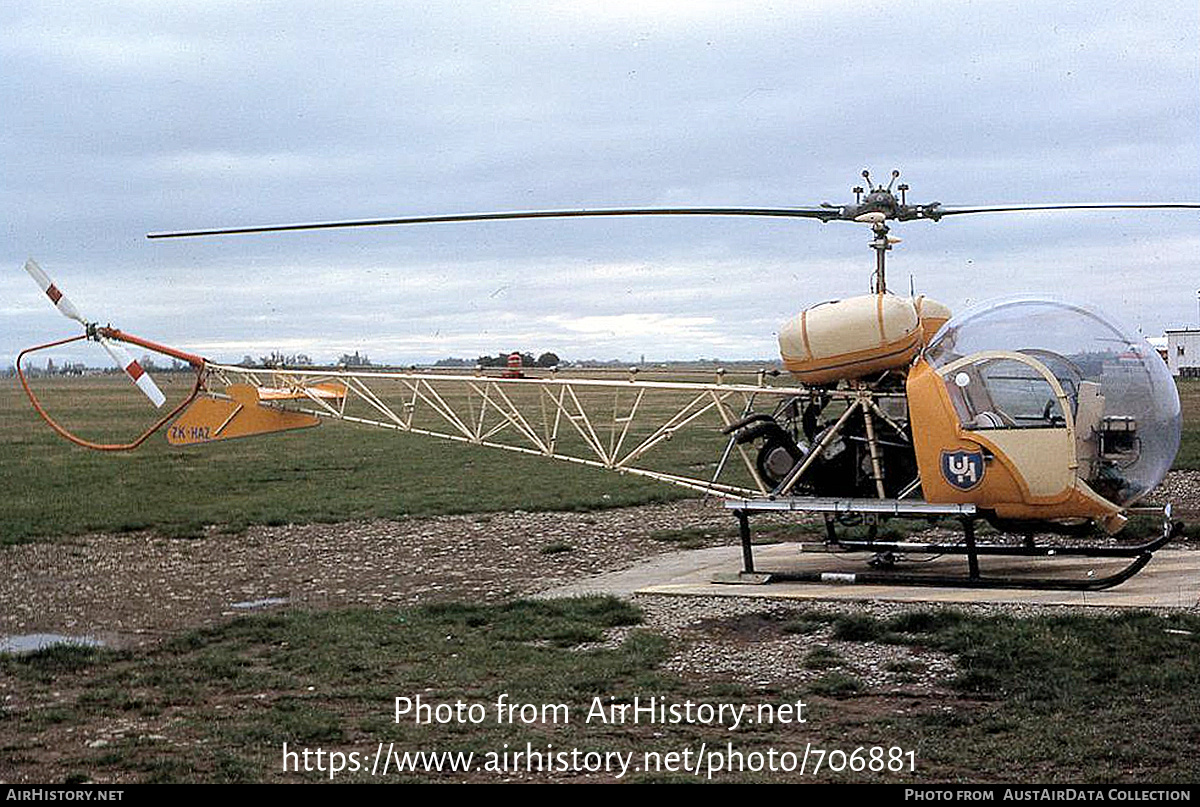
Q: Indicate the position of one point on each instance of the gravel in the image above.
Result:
(128, 589)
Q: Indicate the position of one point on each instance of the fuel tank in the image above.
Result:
(858, 336)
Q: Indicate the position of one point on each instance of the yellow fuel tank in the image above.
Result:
(857, 336)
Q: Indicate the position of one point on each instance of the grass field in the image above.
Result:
(1189, 447)
(334, 472)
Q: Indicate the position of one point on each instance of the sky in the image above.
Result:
(123, 118)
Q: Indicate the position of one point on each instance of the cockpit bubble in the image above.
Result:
(1024, 355)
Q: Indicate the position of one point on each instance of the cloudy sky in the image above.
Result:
(122, 118)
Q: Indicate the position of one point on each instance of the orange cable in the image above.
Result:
(87, 443)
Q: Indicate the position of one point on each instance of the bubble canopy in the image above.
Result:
(1122, 401)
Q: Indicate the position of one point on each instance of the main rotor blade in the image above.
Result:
(135, 372)
(822, 213)
(940, 211)
(60, 301)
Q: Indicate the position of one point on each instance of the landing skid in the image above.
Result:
(873, 509)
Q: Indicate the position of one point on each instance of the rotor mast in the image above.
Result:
(881, 205)
(881, 244)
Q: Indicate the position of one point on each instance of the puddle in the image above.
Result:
(32, 642)
(266, 602)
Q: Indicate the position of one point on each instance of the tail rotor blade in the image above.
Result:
(119, 354)
(135, 372)
(56, 296)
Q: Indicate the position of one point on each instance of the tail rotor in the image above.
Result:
(120, 356)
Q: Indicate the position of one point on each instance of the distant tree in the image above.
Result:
(548, 360)
(356, 360)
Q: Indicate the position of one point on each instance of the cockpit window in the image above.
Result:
(1000, 393)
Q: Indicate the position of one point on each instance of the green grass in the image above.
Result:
(693, 537)
(335, 472)
(822, 657)
(807, 622)
(836, 684)
(1189, 446)
(857, 628)
(1108, 695)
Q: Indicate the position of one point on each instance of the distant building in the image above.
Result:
(1183, 352)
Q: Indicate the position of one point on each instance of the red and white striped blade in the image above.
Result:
(134, 370)
(56, 296)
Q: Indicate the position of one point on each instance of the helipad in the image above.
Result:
(1170, 580)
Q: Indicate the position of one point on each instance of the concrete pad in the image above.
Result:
(1170, 580)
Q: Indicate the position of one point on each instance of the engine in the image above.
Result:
(843, 465)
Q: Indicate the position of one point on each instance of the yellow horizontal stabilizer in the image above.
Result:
(326, 391)
(208, 419)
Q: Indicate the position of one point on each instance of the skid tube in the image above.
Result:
(967, 515)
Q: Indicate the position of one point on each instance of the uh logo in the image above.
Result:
(963, 469)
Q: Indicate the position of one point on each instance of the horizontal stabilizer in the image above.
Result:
(328, 391)
(209, 419)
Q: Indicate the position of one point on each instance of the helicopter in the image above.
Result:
(1042, 417)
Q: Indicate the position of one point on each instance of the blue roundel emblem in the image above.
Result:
(963, 469)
